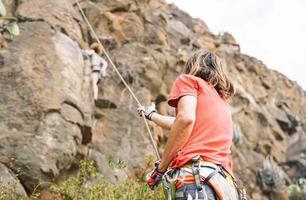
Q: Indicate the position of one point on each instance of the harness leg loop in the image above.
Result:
(196, 173)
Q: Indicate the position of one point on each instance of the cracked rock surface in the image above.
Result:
(47, 116)
(44, 109)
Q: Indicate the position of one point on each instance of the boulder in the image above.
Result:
(177, 32)
(296, 157)
(126, 27)
(45, 103)
(57, 13)
(122, 26)
(155, 27)
(112, 174)
(145, 67)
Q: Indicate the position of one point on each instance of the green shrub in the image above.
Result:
(118, 164)
(88, 184)
(8, 192)
(295, 192)
(8, 24)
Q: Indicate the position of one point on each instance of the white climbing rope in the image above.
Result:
(120, 76)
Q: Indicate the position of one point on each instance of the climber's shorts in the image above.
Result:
(189, 191)
(95, 68)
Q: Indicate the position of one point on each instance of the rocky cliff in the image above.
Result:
(48, 118)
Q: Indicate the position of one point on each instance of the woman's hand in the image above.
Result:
(147, 111)
(140, 110)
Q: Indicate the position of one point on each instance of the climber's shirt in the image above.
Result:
(212, 133)
(95, 63)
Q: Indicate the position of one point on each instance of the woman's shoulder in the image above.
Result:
(187, 77)
(192, 79)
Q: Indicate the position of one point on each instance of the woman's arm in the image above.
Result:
(180, 130)
(165, 122)
(160, 120)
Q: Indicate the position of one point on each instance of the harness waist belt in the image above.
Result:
(220, 180)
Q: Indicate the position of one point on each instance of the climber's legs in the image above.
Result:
(95, 80)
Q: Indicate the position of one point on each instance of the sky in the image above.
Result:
(273, 31)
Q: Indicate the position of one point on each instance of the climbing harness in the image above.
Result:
(169, 183)
(118, 73)
(198, 172)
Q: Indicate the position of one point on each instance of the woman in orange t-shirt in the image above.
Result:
(202, 127)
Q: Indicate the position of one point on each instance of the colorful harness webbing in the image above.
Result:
(199, 171)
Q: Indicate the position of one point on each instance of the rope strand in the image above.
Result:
(120, 76)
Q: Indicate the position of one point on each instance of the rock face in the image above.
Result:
(46, 106)
(57, 13)
(295, 155)
(267, 109)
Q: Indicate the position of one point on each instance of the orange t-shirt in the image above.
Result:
(212, 133)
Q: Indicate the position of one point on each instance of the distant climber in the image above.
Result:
(196, 155)
(98, 66)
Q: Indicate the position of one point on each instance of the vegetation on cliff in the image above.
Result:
(88, 184)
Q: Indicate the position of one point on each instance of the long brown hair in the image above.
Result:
(208, 66)
(96, 47)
